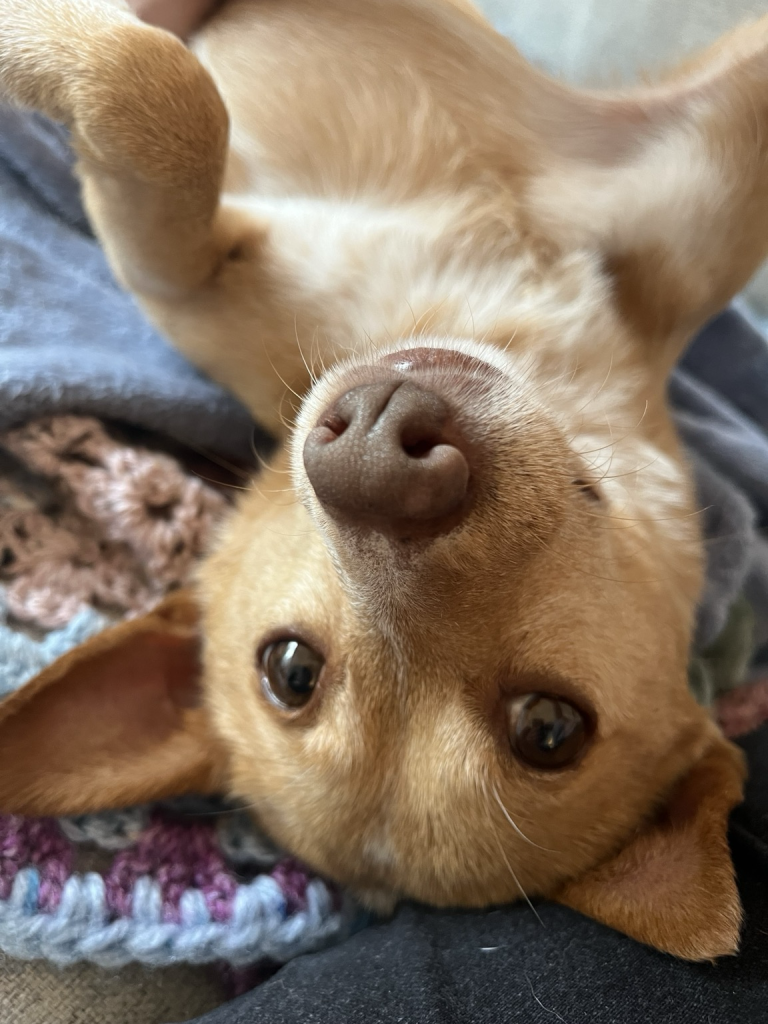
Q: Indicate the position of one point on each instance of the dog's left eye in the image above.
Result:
(290, 672)
(546, 732)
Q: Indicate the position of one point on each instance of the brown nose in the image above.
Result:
(380, 453)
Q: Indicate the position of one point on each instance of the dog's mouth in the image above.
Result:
(433, 360)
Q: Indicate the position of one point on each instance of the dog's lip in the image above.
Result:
(439, 360)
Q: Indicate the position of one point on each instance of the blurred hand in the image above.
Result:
(181, 17)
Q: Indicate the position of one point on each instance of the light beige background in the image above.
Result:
(605, 41)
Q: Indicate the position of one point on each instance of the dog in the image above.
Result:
(441, 645)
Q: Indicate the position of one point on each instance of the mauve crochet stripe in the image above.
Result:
(179, 857)
(169, 895)
(38, 842)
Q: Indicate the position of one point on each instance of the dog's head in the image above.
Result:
(446, 635)
(445, 649)
(449, 662)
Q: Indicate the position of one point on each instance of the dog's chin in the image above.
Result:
(459, 355)
(444, 364)
(460, 374)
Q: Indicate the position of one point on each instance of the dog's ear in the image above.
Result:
(673, 885)
(114, 722)
(667, 184)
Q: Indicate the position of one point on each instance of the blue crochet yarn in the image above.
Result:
(22, 657)
(80, 929)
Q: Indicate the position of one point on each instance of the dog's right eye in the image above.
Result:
(290, 672)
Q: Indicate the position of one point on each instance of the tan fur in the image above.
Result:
(396, 175)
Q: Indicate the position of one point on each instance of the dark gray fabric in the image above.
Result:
(719, 395)
(729, 356)
(728, 522)
(716, 431)
(503, 967)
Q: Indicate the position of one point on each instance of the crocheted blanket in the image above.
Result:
(93, 528)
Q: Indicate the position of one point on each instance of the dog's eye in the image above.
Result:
(290, 671)
(546, 732)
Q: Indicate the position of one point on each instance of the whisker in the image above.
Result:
(533, 909)
(647, 519)
(268, 467)
(629, 472)
(515, 826)
(220, 483)
(413, 314)
(254, 450)
(616, 579)
(266, 495)
(508, 345)
(277, 373)
(289, 536)
(311, 375)
(614, 441)
(600, 389)
(288, 424)
(471, 315)
(516, 880)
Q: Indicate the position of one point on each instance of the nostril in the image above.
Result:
(335, 423)
(419, 447)
(419, 450)
(419, 421)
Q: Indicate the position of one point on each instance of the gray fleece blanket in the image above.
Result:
(70, 337)
(72, 341)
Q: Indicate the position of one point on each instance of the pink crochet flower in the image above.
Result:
(145, 501)
(131, 524)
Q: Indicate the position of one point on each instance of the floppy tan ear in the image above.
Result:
(673, 885)
(114, 722)
(668, 184)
